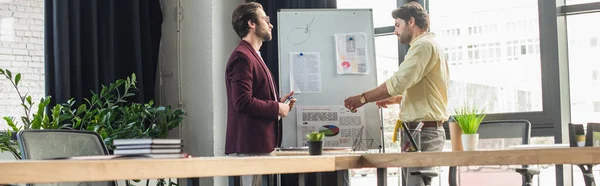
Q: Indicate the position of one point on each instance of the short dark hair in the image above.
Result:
(242, 14)
(415, 10)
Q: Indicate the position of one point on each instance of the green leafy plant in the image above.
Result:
(315, 136)
(37, 120)
(109, 113)
(469, 119)
(113, 117)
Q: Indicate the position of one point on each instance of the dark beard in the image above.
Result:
(265, 36)
(406, 36)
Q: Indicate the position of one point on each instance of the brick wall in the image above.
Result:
(22, 51)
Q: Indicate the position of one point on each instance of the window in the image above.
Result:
(21, 51)
(386, 50)
(387, 64)
(583, 61)
(382, 10)
(500, 72)
(571, 2)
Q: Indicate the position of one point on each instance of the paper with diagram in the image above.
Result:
(337, 122)
(351, 52)
(305, 73)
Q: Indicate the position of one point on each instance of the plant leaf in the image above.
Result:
(97, 128)
(56, 116)
(469, 119)
(11, 124)
(17, 79)
(94, 99)
(81, 109)
(25, 120)
(29, 100)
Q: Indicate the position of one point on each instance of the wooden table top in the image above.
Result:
(22, 171)
(581, 155)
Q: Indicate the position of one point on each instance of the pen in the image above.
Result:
(287, 101)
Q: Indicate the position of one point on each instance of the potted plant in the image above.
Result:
(110, 113)
(32, 119)
(469, 119)
(315, 143)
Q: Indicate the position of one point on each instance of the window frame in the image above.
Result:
(553, 43)
(555, 115)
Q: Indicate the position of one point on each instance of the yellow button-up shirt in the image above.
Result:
(422, 78)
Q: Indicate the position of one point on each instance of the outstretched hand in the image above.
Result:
(353, 102)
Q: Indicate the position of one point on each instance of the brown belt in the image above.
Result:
(434, 124)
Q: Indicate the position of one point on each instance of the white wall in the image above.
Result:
(207, 40)
(21, 51)
(224, 41)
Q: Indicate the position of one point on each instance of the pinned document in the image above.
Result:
(351, 52)
(305, 72)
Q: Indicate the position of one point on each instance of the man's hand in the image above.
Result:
(292, 101)
(389, 101)
(353, 103)
(284, 109)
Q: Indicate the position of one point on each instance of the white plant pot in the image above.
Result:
(469, 141)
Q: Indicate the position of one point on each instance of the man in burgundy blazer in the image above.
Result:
(254, 108)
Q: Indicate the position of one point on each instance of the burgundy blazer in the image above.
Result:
(252, 112)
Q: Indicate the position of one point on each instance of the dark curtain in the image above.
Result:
(90, 43)
(269, 50)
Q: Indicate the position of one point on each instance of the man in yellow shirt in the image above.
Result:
(420, 85)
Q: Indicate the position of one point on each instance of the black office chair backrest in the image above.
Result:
(51, 144)
(501, 129)
(497, 135)
(506, 129)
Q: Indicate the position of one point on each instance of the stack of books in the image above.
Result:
(155, 148)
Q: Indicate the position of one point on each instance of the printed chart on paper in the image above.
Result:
(337, 122)
(351, 51)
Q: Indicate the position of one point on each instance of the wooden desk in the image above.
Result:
(582, 156)
(337, 178)
(575, 156)
(49, 171)
(21, 171)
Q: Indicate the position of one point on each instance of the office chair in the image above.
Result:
(51, 144)
(507, 133)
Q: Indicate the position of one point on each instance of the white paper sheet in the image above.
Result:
(351, 53)
(305, 73)
(339, 124)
